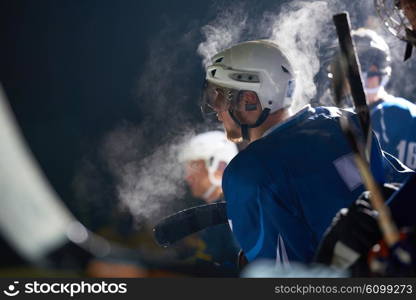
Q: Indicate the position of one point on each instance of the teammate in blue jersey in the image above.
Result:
(393, 119)
(283, 190)
(357, 227)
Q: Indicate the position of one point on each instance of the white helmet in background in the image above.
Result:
(257, 66)
(214, 148)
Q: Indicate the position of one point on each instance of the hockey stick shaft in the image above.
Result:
(353, 74)
(350, 68)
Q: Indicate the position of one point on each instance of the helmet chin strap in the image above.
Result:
(372, 91)
(380, 91)
(208, 193)
(215, 183)
(245, 127)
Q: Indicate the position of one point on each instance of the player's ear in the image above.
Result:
(251, 101)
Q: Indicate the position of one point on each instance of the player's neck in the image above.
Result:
(371, 98)
(381, 94)
(272, 120)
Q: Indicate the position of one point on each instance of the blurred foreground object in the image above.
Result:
(104, 269)
(33, 220)
(399, 16)
(396, 261)
(353, 239)
(353, 232)
(269, 269)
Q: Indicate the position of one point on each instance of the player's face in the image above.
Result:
(196, 176)
(244, 115)
(372, 82)
(221, 107)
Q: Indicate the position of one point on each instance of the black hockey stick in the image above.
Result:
(349, 68)
(352, 71)
(183, 223)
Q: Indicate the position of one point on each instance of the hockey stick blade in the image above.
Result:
(183, 223)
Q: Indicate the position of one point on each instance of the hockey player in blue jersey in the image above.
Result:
(393, 119)
(283, 190)
(357, 227)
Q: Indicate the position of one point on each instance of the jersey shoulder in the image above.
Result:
(314, 122)
(245, 166)
(398, 105)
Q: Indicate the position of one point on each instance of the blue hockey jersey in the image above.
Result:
(394, 122)
(284, 189)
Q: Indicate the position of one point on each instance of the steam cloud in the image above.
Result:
(225, 30)
(147, 186)
(298, 30)
(141, 157)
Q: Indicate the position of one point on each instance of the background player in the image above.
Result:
(205, 157)
(393, 119)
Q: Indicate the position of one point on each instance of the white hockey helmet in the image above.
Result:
(258, 66)
(213, 147)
